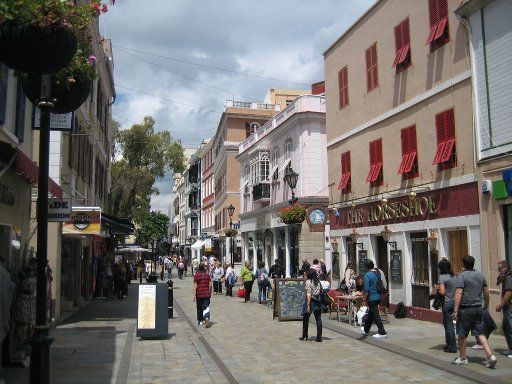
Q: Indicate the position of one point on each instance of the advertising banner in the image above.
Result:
(208, 245)
(83, 222)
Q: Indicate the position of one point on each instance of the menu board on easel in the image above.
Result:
(396, 266)
(363, 255)
(289, 298)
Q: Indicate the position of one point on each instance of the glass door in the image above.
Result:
(420, 270)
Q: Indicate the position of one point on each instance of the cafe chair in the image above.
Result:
(384, 307)
(335, 305)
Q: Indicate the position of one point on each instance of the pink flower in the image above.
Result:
(104, 8)
(92, 60)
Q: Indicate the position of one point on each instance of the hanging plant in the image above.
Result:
(293, 214)
(70, 86)
(40, 36)
(230, 232)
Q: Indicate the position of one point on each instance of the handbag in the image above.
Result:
(241, 292)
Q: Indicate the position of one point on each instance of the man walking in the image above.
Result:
(505, 279)
(467, 310)
(202, 293)
(372, 292)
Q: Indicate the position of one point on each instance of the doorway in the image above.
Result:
(458, 241)
(382, 256)
(420, 270)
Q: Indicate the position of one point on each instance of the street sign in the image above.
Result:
(59, 210)
(58, 122)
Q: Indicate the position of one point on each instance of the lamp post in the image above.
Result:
(231, 210)
(335, 257)
(291, 178)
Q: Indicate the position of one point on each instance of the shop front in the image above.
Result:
(406, 237)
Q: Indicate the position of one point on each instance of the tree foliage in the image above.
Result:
(153, 228)
(143, 156)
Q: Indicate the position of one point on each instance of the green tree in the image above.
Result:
(152, 229)
(141, 156)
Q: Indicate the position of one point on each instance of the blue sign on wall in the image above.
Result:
(507, 178)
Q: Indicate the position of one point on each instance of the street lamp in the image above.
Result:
(386, 234)
(335, 258)
(354, 236)
(432, 241)
(231, 210)
(291, 178)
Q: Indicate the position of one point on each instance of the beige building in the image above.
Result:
(400, 146)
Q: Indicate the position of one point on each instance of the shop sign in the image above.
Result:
(7, 195)
(59, 210)
(208, 244)
(58, 122)
(396, 266)
(83, 222)
(317, 216)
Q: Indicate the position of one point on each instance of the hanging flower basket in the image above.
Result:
(230, 232)
(33, 49)
(293, 214)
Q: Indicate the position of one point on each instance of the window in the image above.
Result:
(287, 149)
(446, 156)
(21, 103)
(259, 168)
(409, 165)
(345, 183)
(375, 175)
(402, 46)
(4, 80)
(275, 164)
(439, 32)
(372, 77)
(343, 87)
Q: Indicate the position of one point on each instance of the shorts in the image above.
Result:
(470, 319)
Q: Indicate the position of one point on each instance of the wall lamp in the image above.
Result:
(432, 241)
(386, 234)
(354, 236)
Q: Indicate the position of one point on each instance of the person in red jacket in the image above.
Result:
(202, 293)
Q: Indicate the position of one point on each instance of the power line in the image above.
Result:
(210, 66)
(188, 77)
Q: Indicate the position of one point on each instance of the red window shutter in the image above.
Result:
(432, 11)
(449, 124)
(369, 82)
(398, 44)
(404, 53)
(343, 87)
(376, 171)
(340, 88)
(370, 174)
(375, 72)
(442, 9)
(344, 181)
(439, 152)
(441, 26)
(447, 152)
(410, 162)
(405, 159)
(378, 151)
(345, 80)
(431, 34)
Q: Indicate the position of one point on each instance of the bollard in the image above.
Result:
(170, 298)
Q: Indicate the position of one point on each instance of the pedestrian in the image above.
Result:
(276, 271)
(323, 267)
(372, 295)
(467, 310)
(181, 269)
(505, 279)
(350, 278)
(316, 266)
(230, 279)
(202, 293)
(312, 304)
(446, 288)
(263, 283)
(195, 265)
(247, 280)
(118, 281)
(217, 275)
(304, 268)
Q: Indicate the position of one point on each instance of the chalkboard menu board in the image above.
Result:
(396, 266)
(363, 255)
(289, 297)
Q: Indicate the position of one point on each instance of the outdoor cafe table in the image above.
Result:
(352, 304)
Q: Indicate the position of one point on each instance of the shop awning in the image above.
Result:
(26, 168)
(198, 244)
(118, 225)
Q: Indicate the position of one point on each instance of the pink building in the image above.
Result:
(295, 138)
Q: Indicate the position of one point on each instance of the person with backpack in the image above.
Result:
(202, 293)
(313, 303)
(373, 289)
(230, 279)
(262, 277)
(181, 269)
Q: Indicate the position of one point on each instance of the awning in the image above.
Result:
(26, 168)
(198, 244)
(133, 249)
(118, 225)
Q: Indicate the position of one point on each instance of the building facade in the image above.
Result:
(490, 40)
(293, 139)
(400, 146)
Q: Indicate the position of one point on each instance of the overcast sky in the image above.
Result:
(180, 60)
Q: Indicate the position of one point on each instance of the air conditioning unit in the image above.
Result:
(486, 186)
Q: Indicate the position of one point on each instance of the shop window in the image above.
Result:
(372, 75)
(345, 183)
(420, 270)
(402, 47)
(409, 164)
(439, 31)
(343, 87)
(446, 156)
(375, 175)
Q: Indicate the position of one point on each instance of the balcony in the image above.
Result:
(261, 192)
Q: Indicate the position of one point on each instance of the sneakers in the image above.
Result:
(200, 323)
(491, 361)
(460, 361)
(379, 336)
(363, 332)
(477, 346)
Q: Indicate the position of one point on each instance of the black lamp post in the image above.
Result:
(231, 211)
(291, 178)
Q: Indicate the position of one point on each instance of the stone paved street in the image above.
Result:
(97, 344)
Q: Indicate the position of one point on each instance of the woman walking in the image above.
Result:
(230, 279)
(247, 280)
(313, 303)
(446, 288)
(263, 283)
(217, 275)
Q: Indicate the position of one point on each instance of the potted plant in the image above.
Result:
(293, 214)
(40, 36)
(230, 232)
(70, 86)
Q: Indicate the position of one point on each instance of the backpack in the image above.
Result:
(379, 285)
(263, 276)
(400, 310)
(181, 265)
